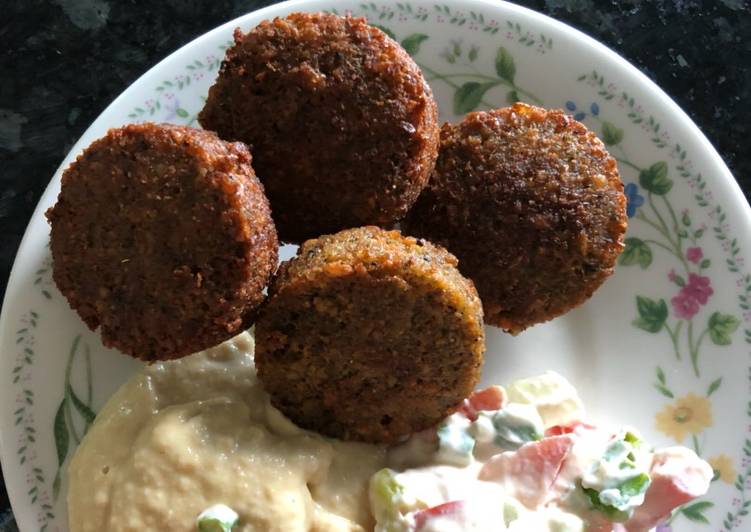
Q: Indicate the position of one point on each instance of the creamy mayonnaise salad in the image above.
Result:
(195, 444)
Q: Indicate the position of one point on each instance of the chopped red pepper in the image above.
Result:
(447, 508)
(491, 398)
(568, 428)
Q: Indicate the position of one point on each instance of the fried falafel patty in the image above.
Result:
(369, 335)
(163, 238)
(531, 204)
(342, 125)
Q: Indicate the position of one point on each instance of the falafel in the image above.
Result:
(342, 125)
(162, 237)
(369, 335)
(532, 205)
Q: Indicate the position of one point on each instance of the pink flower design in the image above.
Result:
(692, 296)
(671, 276)
(694, 255)
(684, 306)
(698, 287)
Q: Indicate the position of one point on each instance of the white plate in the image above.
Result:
(645, 351)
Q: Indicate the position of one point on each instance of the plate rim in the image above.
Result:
(722, 178)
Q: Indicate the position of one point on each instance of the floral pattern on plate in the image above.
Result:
(691, 301)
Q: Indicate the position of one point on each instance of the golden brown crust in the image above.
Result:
(342, 125)
(532, 205)
(162, 237)
(369, 335)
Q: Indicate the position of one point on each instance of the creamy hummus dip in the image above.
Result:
(198, 436)
(187, 434)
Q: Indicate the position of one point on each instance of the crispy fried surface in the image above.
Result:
(369, 335)
(531, 204)
(342, 125)
(162, 237)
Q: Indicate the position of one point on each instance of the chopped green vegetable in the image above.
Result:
(515, 427)
(617, 449)
(612, 513)
(387, 501)
(510, 513)
(618, 503)
(217, 518)
(635, 486)
(624, 451)
(616, 483)
(385, 488)
(455, 445)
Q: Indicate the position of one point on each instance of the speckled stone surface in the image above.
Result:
(63, 61)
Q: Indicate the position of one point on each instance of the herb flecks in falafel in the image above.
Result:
(369, 335)
(531, 203)
(342, 125)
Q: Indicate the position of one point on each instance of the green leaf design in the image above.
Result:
(714, 386)
(62, 439)
(655, 179)
(664, 391)
(662, 383)
(83, 409)
(695, 512)
(504, 65)
(610, 134)
(385, 30)
(182, 113)
(721, 326)
(512, 97)
(56, 485)
(636, 252)
(468, 96)
(412, 43)
(652, 314)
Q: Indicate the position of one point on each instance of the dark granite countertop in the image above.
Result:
(63, 61)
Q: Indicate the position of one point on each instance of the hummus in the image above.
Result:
(187, 434)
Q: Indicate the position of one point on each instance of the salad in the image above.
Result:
(526, 459)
